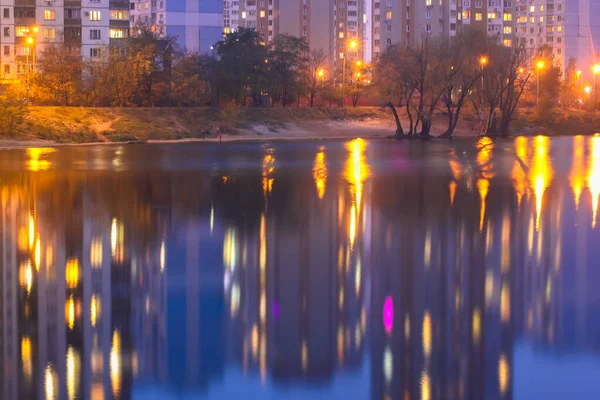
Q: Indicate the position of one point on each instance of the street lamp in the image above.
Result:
(321, 74)
(595, 70)
(353, 44)
(540, 66)
(482, 62)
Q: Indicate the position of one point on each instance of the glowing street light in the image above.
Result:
(596, 70)
(588, 89)
(540, 66)
(321, 75)
(483, 61)
(358, 63)
(579, 74)
(35, 29)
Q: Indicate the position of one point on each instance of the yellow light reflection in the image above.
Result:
(72, 273)
(95, 310)
(505, 303)
(36, 161)
(73, 372)
(484, 156)
(26, 357)
(230, 249)
(452, 189)
(519, 177)
(268, 167)
(254, 341)
(476, 325)
(115, 364)
(50, 383)
(96, 253)
(352, 227)
(26, 276)
(162, 256)
(70, 313)
(320, 172)
(540, 174)
(356, 170)
(425, 386)
(37, 253)
(576, 176)
(594, 176)
(503, 374)
(427, 334)
(116, 240)
(483, 187)
(31, 231)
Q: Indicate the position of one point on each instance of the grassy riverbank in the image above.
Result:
(81, 125)
(88, 125)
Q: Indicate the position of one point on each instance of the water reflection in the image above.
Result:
(463, 272)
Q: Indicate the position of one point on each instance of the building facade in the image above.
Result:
(194, 24)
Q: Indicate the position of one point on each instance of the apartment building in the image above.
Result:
(327, 25)
(195, 24)
(28, 26)
(567, 26)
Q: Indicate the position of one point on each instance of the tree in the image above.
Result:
(390, 82)
(550, 78)
(12, 110)
(505, 79)
(314, 74)
(188, 88)
(357, 79)
(242, 60)
(287, 60)
(59, 68)
(571, 86)
(463, 71)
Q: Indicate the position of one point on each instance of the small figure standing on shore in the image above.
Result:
(219, 136)
(203, 134)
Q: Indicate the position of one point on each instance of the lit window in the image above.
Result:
(262, 14)
(20, 31)
(428, 3)
(507, 29)
(227, 30)
(243, 14)
(541, 19)
(118, 33)
(341, 35)
(541, 8)
(49, 15)
(478, 16)
(532, 9)
(119, 14)
(559, 28)
(49, 33)
(146, 6)
(466, 14)
(388, 15)
(491, 15)
(95, 15)
(508, 17)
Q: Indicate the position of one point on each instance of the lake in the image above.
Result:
(302, 270)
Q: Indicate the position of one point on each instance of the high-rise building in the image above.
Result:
(326, 25)
(195, 24)
(28, 27)
(564, 26)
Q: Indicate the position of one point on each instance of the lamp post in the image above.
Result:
(321, 75)
(540, 66)
(482, 62)
(352, 45)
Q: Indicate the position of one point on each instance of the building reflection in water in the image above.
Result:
(419, 273)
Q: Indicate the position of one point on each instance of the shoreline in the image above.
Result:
(57, 127)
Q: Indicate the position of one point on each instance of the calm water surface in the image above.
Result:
(304, 270)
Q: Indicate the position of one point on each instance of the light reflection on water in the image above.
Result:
(302, 270)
